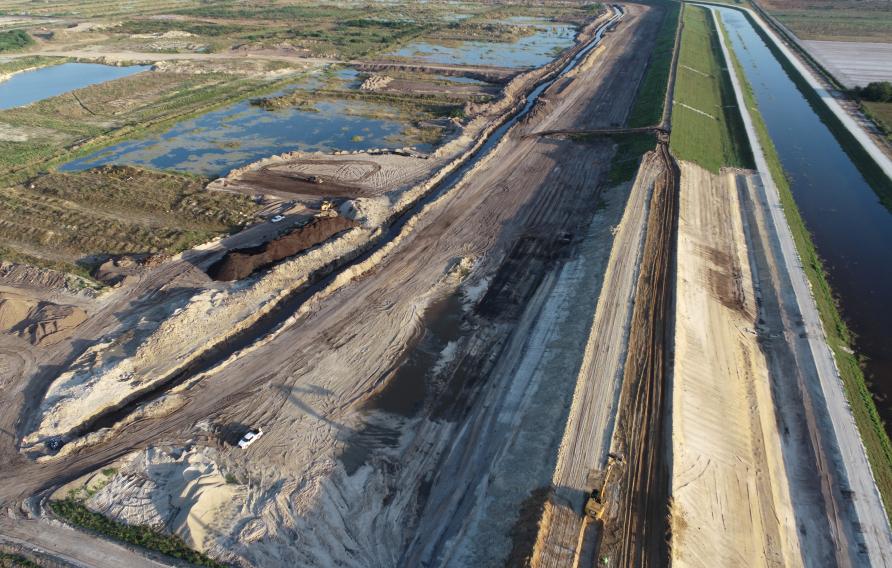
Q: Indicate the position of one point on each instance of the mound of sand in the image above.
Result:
(37, 321)
(181, 491)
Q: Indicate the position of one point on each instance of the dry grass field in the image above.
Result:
(840, 20)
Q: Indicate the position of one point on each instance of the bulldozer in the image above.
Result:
(597, 501)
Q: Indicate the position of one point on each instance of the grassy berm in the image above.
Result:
(706, 125)
(68, 217)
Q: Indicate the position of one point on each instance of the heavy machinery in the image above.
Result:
(597, 501)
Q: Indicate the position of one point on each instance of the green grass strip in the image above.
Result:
(706, 129)
(648, 108)
(13, 40)
(839, 338)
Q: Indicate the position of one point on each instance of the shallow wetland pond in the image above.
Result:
(529, 51)
(31, 86)
(219, 141)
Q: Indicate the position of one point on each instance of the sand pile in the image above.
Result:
(180, 490)
(37, 321)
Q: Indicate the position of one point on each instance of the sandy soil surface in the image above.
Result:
(103, 55)
(201, 502)
(37, 321)
(342, 175)
(69, 545)
(855, 64)
(731, 504)
(132, 360)
(637, 33)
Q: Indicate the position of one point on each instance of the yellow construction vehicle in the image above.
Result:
(597, 501)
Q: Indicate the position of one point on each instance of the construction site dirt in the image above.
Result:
(639, 534)
(495, 354)
(269, 179)
(412, 493)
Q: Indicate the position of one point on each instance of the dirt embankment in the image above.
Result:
(727, 457)
(638, 536)
(240, 263)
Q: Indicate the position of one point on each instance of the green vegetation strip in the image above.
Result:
(839, 338)
(648, 108)
(705, 128)
(31, 62)
(146, 537)
(881, 114)
(629, 150)
(9, 560)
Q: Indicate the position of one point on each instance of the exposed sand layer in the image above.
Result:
(123, 365)
(200, 500)
(37, 321)
(586, 438)
(510, 230)
(731, 505)
(341, 175)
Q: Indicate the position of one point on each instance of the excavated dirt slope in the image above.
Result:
(239, 263)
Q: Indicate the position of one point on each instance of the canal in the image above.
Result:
(850, 227)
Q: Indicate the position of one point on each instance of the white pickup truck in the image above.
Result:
(249, 438)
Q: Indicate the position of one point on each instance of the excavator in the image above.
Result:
(590, 533)
(597, 502)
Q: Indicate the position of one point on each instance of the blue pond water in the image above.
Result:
(219, 141)
(30, 86)
(529, 51)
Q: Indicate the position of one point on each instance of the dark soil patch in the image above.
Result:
(526, 528)
(239, 263)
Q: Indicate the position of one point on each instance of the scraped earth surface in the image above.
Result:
(36, 321)
(448, 396)
(727, 461)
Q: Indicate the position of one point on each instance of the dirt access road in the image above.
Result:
(305, 385)
(71, 546)
(110, 56)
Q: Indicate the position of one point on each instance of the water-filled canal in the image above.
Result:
(851, 228)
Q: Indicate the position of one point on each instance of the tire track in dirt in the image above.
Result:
(638, 534)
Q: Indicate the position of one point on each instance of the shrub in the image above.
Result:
(14, 39)
(878, 92)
